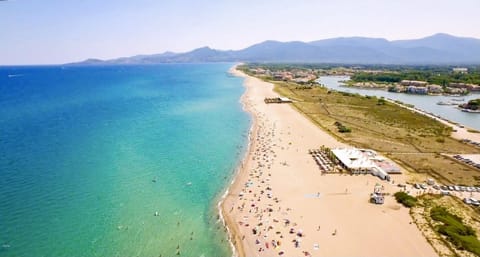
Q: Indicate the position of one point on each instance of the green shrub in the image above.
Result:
(461, 235)
(341, 128)
(381, 101)
(405, 199)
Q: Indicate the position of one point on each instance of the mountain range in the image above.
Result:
(436, 49)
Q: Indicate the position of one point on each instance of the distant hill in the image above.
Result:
(435, 49)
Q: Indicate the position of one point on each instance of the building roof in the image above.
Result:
(353, 158)
(363, 159)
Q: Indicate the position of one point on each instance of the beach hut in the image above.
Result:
(284, 100)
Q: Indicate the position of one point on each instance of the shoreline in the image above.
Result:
(276, 158)
(228, 223)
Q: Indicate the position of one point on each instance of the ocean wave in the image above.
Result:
(15, 75)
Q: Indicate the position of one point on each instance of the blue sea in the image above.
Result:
(117, 160)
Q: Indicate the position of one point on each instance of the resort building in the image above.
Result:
(414, 83)
(362, 161)
(417, 90)
(434, 89)
(460, 70)
(454, 90)
(469, 87)
(397, 88)
(285, 76)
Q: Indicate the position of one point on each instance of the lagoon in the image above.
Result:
(424, 102)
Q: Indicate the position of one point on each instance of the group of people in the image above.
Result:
(261, 212)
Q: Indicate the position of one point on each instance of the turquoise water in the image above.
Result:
(81, 147)
(424, 102)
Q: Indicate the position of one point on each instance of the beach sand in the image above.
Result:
(280, 203)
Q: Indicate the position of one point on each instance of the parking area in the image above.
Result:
(469, 194)
(470, 159)
(468, 141)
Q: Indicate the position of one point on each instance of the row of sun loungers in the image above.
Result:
(322, 160)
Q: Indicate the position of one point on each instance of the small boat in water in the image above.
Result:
(446, 103)
(458, 99)
(470, 111)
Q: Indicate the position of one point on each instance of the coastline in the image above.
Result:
(277, 181)
(232, 231)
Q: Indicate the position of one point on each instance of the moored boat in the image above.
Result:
(446, 103)
(470, 111)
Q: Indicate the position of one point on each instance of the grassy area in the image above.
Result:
(420, 144)
(448, 224)
(462, 236)
(409, 138)
(405, 199)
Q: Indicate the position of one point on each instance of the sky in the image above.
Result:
(62, 31)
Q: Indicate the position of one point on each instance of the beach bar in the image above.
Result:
(277, 100)
(363, 161)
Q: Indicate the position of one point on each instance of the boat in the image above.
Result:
(446, 103)
(470, 111)
(458, 99)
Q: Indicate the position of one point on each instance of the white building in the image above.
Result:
(360, 161)
(460, 70)
(285, 100)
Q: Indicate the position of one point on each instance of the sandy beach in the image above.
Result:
(281, 204)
